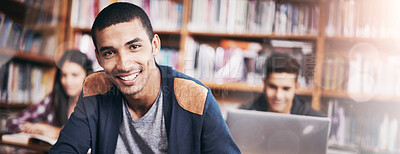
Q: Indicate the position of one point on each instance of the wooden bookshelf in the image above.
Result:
(41, 21)
(372, 97)
(247, 35)
(88, 31)
(14, 105)
(234, 86)
(304, 92)
(81, 30)
(35, 58)
(43, 28)
(27, 57)
(244, 87)
(367, 149)
(361, 39)
(14, 9)
(164, 32)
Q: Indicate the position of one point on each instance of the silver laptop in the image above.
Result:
(274, 133)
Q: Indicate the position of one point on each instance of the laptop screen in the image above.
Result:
(267, 132)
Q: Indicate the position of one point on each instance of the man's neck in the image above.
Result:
(73, 100)
(141, 102)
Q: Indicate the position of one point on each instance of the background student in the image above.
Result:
(280, 85)
(48, 116)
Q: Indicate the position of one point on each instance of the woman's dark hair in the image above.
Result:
(60, 99)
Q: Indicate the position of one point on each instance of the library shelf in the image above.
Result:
(244, 87)
(15, 9)
(42, 28)
(234, 86)
(344, 147)
(165, 32)
(373, 97)
(249, 35)
(304, 92)
(14, 105)
(358, 38)
(368, 149)
(29, 57)
(82, 30)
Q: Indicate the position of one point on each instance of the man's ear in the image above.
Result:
(156, 44)
(297, 86)
(264, 84)
(98, 57)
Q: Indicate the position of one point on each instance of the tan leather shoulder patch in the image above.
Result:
(96, 83)
(190, 95)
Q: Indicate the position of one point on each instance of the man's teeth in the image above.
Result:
(130, 77)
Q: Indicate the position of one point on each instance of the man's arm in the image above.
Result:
(75, 136)
(216, 137)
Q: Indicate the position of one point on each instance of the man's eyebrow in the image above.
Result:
(105, 48)
(133, 41)
(271, 85)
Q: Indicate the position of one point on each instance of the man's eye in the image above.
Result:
(286, 88)
(133, 47)
(108, 53)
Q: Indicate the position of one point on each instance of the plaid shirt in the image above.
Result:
(42, 111)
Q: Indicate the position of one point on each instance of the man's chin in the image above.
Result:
(278, 108)
(129, 90)
(130, 93)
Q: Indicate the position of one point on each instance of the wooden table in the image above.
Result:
(22, 148)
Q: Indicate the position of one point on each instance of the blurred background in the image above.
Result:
(349, 52)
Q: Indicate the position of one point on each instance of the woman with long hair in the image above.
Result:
(48, 116)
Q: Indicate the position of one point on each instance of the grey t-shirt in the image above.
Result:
(145, 135)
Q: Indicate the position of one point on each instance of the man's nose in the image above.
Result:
(124, 63)
(279, 93)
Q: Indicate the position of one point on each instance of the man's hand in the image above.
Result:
(41, 128)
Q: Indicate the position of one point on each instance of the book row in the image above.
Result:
(242, 61)
(41, 12)
(363, 18)
(17, 37)
(254, 16)
(363, 126)
(24, 83)
(362, 72)
(164, 14)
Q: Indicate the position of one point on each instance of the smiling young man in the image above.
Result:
(280, 85)
(135, 105)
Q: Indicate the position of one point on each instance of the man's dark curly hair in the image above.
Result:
(118, 13)
(281, 63)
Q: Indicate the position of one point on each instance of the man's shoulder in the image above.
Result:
(96, 84)
(190, 93)
(259, 103)
(302, 107)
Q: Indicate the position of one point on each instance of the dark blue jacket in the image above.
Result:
(193, 119)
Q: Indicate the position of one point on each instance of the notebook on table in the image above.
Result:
(25, 138)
